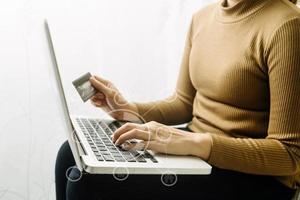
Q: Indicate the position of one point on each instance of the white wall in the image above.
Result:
(135, 43)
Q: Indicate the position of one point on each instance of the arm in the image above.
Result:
(279, 153)
(176, 109)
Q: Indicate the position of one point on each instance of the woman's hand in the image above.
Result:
(111, 100)
(164, 139)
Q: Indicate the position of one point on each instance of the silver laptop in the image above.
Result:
(95, 153)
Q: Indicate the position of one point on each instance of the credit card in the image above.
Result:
(84, 87)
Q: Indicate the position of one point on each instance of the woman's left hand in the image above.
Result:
(164, 139)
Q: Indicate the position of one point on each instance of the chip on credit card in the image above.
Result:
(84, 87)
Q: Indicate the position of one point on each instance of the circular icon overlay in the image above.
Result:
(121, 173)
(169, 178)
(73, 174)
(119, 100)
(163, 133)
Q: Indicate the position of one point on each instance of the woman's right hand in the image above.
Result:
(111, 100)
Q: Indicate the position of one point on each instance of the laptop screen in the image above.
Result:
(63, 103)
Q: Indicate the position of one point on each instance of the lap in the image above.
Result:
(220, 184)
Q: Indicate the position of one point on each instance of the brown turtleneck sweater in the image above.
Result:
(240, 82)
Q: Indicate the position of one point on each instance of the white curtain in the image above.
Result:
(135, 43)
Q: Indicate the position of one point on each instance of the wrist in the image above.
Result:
(201, 145)
(132, 114)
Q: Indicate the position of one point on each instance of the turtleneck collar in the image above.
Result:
(238, 10)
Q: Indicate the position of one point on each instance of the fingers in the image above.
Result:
(133, 134)
(101, 86)
(100, 95)
(153, 136)
(145, 145)
(139, 146)
(98, 78)
(123, 129)
(137, 131)
(98, 100)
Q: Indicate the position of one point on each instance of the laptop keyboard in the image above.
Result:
(98, 135)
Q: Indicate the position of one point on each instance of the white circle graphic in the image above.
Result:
(121, 173)
(72, 179)
(168, 178)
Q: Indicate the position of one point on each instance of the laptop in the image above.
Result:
(95, 153)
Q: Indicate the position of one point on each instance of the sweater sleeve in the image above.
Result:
(176, 109)
(279, 153)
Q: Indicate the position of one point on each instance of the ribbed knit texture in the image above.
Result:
(240, 82)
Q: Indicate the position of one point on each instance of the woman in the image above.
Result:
(238, 89)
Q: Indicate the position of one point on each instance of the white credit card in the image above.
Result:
(84, 87)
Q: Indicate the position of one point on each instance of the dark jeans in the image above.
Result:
(221, 184)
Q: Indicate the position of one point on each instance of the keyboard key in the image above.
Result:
(97, 153)
(102, 148)
(147, 155)
(134, 153)
(99, 158)
(129, 158)
(112, 127)
(126, 153)
(108, 158)
(105, 152)
(141, 159)
(109, 134)
(114, 151)
(154, 160)
(119, 159)
(102, 124)
(117, 124)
